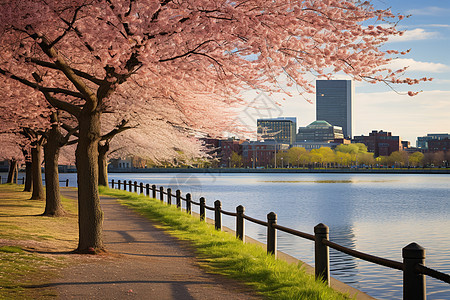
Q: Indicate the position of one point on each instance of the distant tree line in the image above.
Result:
(352, 155)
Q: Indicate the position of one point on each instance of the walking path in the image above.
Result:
(145, 263)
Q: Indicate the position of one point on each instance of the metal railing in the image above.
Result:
(43, 180)
(413, 265)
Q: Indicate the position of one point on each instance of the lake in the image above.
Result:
(377, 214)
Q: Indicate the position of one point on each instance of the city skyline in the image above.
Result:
(378, 107)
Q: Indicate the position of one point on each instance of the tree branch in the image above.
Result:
(119, 128)
(55, 67)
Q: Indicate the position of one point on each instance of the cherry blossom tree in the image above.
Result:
(85, 50)
(10, 151)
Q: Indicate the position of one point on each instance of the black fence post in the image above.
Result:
(67, 182)
(135, 186)
(178, 196)
(169, 196)
(130, 186)
(124, 185)
(154, 191)
(147, 189)
(112, 183)
(271, 234)
(240, 224)
(321, 253)
(188, 203)
(414, 286)
(161, 193)
(202, 208)
(23, 180)
(217, 215)
(118, 184)
(141, 188)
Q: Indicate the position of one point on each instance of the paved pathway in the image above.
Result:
(146, 263)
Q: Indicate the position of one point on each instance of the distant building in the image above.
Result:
(422, 141)
(282, 130)
(406, 145)
(319, 131)
(380, 143)
(227, 147)
(118, 163)
(310, 145)
(439, 145)
(334, 103)
(4, 166)
(261, 153)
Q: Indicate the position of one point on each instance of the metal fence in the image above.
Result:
(23, 181)
(413, 265)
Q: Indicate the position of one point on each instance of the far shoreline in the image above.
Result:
(286, 170)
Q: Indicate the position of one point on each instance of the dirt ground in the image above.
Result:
(142, 262)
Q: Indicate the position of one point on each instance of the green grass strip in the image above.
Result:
(221, 253)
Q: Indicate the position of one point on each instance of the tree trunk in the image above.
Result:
(28, 177)
(53, 205)
(12, 173)
(38, 188)
(90, 215)
(102, 164)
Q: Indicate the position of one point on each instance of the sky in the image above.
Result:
(377, 107)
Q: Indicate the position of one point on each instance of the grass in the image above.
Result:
(222, 253)
(25, 237)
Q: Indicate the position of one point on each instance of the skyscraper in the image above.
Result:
(334, 103)
(281, 129)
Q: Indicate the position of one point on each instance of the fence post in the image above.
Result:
(321, 253)
(161, 193)
(414, 286)
(124, 185)
(154, 191)
(118, 184)
(169, 196)
(202, 208)
(178, 196)
(217, 215)
(130, 186)
(147, 189)
(240, 224)
(112, 183)
(135, 186)
(271, 234)
(67, 182)
(141, 188)
(188, 203)
(23, 180)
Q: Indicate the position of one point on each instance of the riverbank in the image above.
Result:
(286, 170)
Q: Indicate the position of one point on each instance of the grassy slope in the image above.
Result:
(22, 229)
(222, 253)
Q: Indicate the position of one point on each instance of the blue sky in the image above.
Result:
(377, 107)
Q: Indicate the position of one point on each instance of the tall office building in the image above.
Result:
(282, 129)
(334, 103)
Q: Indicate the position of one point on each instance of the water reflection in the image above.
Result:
(343, 266)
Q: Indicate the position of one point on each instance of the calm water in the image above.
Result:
(373, 213)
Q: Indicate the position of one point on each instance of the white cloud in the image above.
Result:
(429, 11)
(418, 65)
(417, 34)
(438, 25)
(407, 117)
